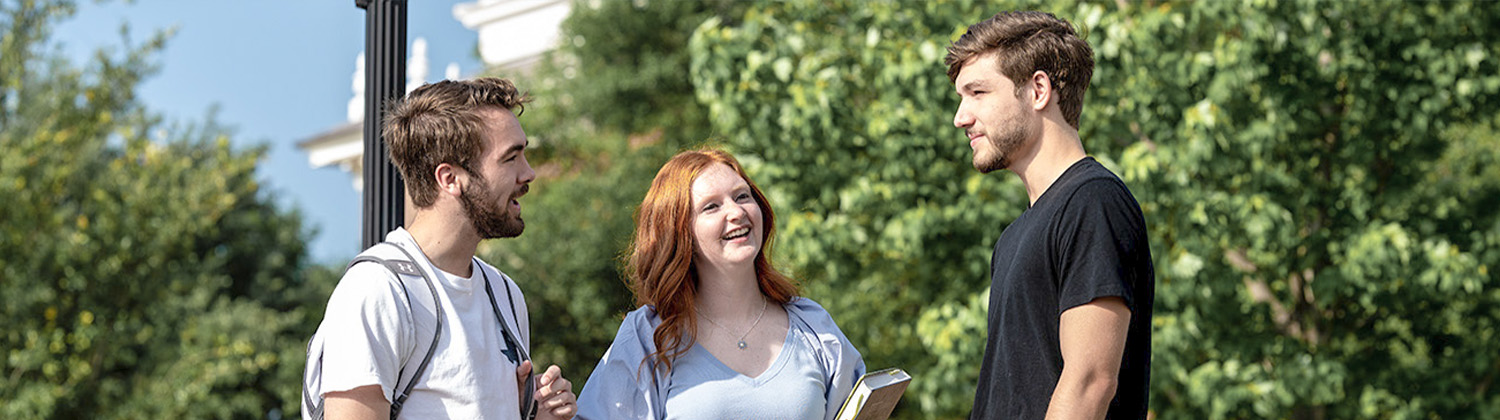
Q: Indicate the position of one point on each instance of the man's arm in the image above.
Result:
(363, 403)
(1092, 340)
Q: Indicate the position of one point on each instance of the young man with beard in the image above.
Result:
(1071, 280)
(461, 150)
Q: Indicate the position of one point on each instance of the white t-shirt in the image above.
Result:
(368, 330)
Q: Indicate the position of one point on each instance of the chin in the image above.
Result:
(742, 259)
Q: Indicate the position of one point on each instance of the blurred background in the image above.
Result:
(1319, 178)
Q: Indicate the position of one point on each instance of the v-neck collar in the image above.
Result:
(764, 376)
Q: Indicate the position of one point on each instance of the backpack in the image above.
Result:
(408, 272)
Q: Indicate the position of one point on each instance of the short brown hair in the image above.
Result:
(440, 123)
(1027, 41)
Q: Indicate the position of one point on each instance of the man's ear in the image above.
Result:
(449, 179)
(1041, 90)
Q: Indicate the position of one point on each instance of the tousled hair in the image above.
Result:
(1024, 42)
(660, 260)
(441, 123)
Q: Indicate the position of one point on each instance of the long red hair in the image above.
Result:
(660, 263)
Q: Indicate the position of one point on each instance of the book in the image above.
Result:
(875, 395)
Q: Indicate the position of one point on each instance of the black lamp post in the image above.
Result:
(385, 80)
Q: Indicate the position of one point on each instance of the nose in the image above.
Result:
(737, 212)
(527, 174)
(962, 118)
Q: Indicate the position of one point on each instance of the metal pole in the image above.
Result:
(385, 80)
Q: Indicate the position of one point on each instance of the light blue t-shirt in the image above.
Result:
(705, 388)
(626, 385)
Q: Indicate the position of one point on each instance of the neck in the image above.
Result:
(447, 244)
(726, 293)
(1057, 149)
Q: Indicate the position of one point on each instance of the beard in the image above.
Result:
(1004, 145)
(490, 213)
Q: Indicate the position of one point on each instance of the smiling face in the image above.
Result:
(727, 221)
(997, 122)
(501, 176)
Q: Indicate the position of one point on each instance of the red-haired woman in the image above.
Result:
(719, 333)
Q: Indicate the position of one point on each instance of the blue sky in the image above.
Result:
(280, 71)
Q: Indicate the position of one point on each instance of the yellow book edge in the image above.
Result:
(854, 405)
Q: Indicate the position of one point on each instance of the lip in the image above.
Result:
(741, 239)
(515, 200)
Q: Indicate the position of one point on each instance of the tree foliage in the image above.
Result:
(844, 111)
(1313, 175)
(1318, 178)
(613, 103)
(146, 271)
(1298, 162)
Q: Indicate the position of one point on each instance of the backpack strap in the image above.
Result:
(516, 353)
(313, 368)
(402, 269)
(410, 268)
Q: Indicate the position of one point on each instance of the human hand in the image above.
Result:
(522, 372)
(554, 395)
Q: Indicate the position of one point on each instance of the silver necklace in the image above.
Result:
(741, 344)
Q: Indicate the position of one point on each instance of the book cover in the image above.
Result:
(875, 395)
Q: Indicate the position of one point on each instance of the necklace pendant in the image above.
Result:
(742, 344)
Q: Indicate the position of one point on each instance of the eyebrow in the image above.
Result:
(514, 149)
(696, 202)
(700, 201)
(969, 87)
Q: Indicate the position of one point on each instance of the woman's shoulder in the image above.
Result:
(645, 315)
(807, 308)
(834, 348)
(812, 315)
(637, 328)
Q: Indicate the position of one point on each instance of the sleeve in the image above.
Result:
(364, 331)
(837, 352)
(851, 366)
(1101, 237)
(621, 386)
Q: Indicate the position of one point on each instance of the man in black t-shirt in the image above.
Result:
(1071, 281)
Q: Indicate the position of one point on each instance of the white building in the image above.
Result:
(513, 34)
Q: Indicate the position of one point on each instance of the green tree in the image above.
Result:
(1315, 202)
(147, 273)
(1317, 190)
(844, 112)
(613, 103)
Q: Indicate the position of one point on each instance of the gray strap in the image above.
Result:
(528, 401)
(510, 336)
(315, 408)
(408, 267)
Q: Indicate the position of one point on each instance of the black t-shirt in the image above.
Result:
(1083, 239)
